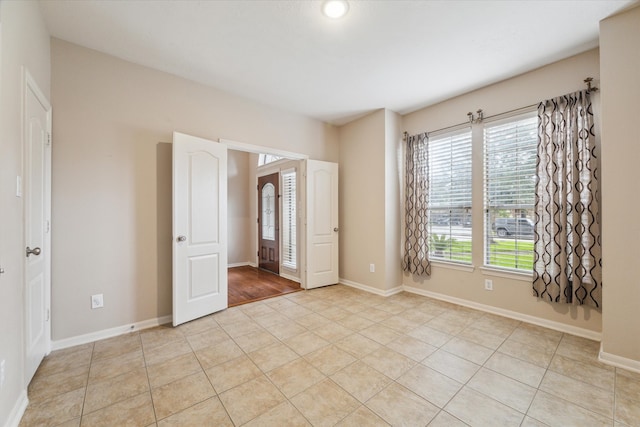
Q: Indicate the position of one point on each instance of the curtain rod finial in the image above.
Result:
(590, 88)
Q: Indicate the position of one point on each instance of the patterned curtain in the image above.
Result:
(416, 248)
(568, 264)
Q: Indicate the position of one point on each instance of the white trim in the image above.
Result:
(239, 264)
(371, 289)
(18, 410)
(619, 361)
(551, 324)
(260, 149)
(507, 274)
(453, 265)
(111, 332)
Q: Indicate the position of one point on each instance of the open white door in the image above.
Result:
(322, 224)
(37, 236)
(199, 227)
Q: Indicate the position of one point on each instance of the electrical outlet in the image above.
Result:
(372, 268)
(2, 374)
(97, 301)
(488, 284)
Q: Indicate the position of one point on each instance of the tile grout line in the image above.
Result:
(204, 371)
(86, 389)
(146, 370)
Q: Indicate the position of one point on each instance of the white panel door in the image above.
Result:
(322, 224)
(199, 227)
(37, 202)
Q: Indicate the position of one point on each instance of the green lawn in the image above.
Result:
(512, 254)
(504, 253)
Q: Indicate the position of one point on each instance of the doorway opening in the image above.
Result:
(248, 284)
(264, 252)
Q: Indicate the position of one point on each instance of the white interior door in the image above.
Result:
(37, 202)
(199, 227)
(322, 224)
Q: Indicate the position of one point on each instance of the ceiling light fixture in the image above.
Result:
(335, 8)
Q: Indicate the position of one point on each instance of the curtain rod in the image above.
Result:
(481, 116)
(405, 134)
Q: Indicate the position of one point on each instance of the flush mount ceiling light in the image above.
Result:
(335, 8)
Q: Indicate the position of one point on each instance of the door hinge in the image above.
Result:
(47, 226)
(258, 220)
(46, 315)
(48, 138)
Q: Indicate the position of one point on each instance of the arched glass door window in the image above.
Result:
(268, 214)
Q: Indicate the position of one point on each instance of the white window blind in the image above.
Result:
(289, 219)
(450, 183)
(510, 148)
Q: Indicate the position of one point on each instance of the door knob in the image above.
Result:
(335, 229)
(181, 239)
(34, 251)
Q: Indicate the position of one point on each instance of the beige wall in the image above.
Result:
(370, 200)
(530, 88)
(620, 68)
(361, 200)
(393, 199)
(112, 126)
(238, 207)
(24, 42)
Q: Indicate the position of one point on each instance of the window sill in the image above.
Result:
(507, 274)
(453, 266)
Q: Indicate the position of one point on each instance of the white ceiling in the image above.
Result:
(401, 55)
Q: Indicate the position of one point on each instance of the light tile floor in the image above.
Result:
(336, 356)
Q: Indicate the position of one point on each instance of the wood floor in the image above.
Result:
(247, 284)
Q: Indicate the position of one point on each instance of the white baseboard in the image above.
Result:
(557, 326)
(618, 361)
(371, 289)
(239, 264)
(108, 333)
(18, 410)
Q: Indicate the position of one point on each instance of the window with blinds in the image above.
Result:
(449, 207)
(510, 151)
(289, 220)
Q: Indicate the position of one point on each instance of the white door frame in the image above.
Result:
(30, 85)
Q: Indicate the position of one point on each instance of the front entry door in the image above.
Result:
(268, 227)
(199, 227)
